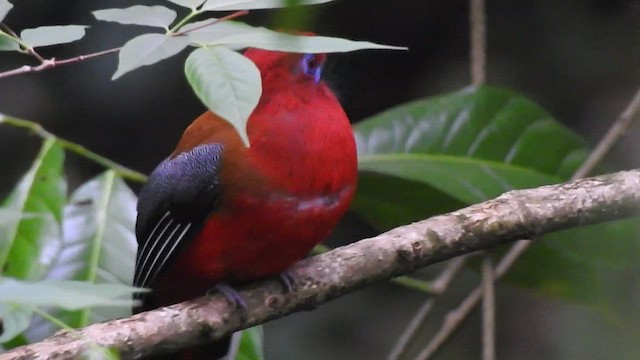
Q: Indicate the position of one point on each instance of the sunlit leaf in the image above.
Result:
(191, 4)
(5, 7)
(157, 16)
(52, 35)
(238, 35)
(148, 49)
(70, 295)
(228, 83)
(15, 319)
(220, 5)
(27, 244)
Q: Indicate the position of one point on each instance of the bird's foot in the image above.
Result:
(231, 295)
(287, 280)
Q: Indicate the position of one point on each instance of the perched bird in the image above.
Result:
(216, 211)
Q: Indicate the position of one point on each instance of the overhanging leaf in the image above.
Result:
(52, 35)
(70, 295)
(224, 5)
(228, 83)
(238, 35)
(157, 16)
(148, 49)
(5, 7)
(26, 250)
(191, 4)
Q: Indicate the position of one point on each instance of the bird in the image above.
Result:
(217, 211)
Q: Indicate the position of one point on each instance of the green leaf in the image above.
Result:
(52, 35)
(70, 295)
(5, 7)
(28, 242)
(558, 274)
(15, 319)
(251, 344)
(157, 16)
(224, 5)
(148, 49)
(228, 83)
(99, 247)
(191, 4)
(7, 43)
(238, 35)
(473, 145)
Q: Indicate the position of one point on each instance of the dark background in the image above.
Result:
(579, 59)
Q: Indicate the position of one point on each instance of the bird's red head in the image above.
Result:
(280, 67)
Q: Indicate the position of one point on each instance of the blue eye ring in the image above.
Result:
(312, 66)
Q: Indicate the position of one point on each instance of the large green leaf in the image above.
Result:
(148, 49)
(52, 35)
(228, 83)
(28, 240)
(473, 145)
(99, 246)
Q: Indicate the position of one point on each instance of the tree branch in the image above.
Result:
(511, 216)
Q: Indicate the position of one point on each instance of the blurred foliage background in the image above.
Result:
(577, 58)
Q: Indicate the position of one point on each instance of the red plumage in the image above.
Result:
(274, 200)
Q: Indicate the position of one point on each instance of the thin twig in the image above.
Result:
(412, 328)
(617, 130)
(488, 310)
(76, 148)
(438, 286)
(51, 63)
(478, 55)
(478, 29)
(478, 36)
(455, 317)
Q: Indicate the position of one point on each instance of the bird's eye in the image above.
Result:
(312, 66)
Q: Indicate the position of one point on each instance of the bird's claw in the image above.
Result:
(287, 280)
(230, 294)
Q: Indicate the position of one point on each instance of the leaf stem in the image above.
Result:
(213, 22)
(52, 319)
(181, 23)
(76, 148)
